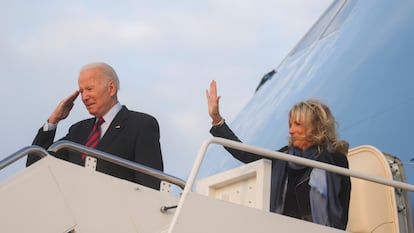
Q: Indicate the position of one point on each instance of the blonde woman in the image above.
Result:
(298, 191)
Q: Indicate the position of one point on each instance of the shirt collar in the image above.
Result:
(110, 115)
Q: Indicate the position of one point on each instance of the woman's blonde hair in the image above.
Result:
(319, 124)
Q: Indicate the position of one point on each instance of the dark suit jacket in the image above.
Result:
(131, 135)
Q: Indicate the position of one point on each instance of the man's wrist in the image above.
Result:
(50, 120)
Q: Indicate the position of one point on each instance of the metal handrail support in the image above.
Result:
(21, 153)
(300, 160)
(275, 155)
(64, 144)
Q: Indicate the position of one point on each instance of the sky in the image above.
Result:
(165, 53)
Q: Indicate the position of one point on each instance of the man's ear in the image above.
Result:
(112, 87)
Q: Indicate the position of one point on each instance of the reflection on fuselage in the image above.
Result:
(361, 69)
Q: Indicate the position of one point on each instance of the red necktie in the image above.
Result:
(95, 135)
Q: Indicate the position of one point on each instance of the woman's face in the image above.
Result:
(297, 132)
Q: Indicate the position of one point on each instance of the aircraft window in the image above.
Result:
(340, 18)
(319, 27)
(265, 78)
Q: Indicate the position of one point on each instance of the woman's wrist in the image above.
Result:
(218, 122)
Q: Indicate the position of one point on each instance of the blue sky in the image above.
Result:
(165, 53)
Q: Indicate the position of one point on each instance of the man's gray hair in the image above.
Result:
(106, 69)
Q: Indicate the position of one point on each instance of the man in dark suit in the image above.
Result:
(124, 133)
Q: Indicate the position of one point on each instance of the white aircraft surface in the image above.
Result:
(356, 58)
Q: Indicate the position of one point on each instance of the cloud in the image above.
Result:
(231, 24)
(166, 53)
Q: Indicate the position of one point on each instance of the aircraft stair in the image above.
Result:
(55, 196)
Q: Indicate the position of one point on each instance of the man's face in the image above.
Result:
(97, 93)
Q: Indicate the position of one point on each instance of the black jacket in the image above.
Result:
(131, 135)
(339, 186)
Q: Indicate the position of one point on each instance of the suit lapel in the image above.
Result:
(117, 125)
(87, 128)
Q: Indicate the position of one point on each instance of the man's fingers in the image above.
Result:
(71, 98)
(74, 95)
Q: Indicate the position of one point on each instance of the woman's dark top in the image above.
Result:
(290, 190)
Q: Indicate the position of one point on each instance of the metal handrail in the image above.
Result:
(276, 155)
(64, 144)
(299, 160)
(21, 153)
